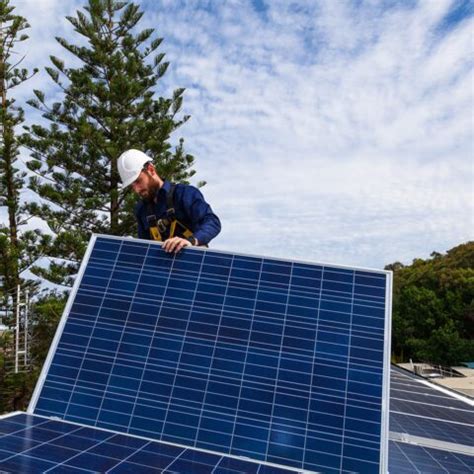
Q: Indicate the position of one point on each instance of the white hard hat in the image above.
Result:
(130, 164)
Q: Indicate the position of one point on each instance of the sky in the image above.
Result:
(330, 131)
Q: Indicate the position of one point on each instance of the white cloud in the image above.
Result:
(325, 131)
(360, 150)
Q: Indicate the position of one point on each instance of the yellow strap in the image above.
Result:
(155, 233)
(186, 232)
(172, 228)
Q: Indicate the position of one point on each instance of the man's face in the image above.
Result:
(145, 186)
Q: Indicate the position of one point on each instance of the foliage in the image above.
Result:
(16, 388)
(13, 247)
(45, 315)
(433, 307)
(109, 104)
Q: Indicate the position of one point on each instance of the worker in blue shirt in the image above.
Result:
(175, 214)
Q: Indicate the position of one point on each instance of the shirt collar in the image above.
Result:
(166, 186)
(163, 190)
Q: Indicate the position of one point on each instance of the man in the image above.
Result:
(176, 214)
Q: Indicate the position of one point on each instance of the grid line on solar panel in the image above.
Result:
(39, 445)
(295, 392)
(397, 466)
(434, 429)
(180, 355)
(290, 424)
(232, 340)
(428, 398)
(431, 465)
(114, 361)
(218, 413)
(420, 398)
(122, 396)
(130, 456)
(432, 443)
(47, 425)
(424, 417)
(426, 408)
(279, 284)
(452, 462)
(106, 451)
(94, 324)
(324, 296)
(229, 378)
(334, 333)
(363, 276)
(294, 322)
(226, 378)
(406, 378)
(412, 458)
(363, 365)
(346, 379)
(419, 391)
(239, 381)
(417, 385)
(98, 452)
(420, 409)
(67, 455)
(148, 356)
(331, 307)
(272, 445)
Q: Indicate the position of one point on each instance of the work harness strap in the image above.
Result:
(158, 227)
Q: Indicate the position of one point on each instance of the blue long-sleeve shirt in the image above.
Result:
(190, 208)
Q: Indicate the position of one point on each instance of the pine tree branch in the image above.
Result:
(36, 172)
(16, 64)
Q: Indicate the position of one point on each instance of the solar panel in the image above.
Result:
(421, 409)
(409, 458)
(33, 444)
(442, 429)
(278, 361)
(412, 391)
(431, 429)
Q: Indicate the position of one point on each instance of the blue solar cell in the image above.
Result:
(439, 429)
(242, 355)
(25, 449)
(32, 444)
(407, 458)
(405, 386)
(25, 464)
(418, 409)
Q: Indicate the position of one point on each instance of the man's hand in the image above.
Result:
(175, 244)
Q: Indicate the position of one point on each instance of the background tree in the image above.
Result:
(13, 255)
(109, 104)
(19, 248)
(433, 308)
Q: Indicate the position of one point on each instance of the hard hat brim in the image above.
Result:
(130, 181)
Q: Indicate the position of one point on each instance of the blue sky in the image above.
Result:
(332, 131)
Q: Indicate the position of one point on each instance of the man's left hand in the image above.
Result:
(175, 244)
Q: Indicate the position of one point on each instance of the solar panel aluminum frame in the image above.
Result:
(387, 330)
(386, 373)
(10, 414)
